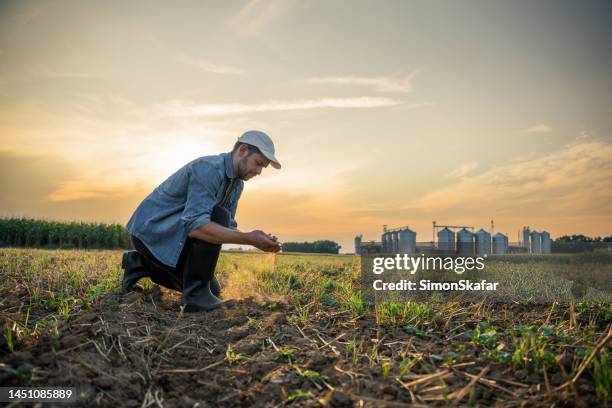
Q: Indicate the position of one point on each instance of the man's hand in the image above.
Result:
(263, 241)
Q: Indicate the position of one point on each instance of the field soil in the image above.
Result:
(294, 331)
(140, 350)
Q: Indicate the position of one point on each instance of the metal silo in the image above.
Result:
(545, 242)
(483, 242)
(526, 238)
(407, 241)
(500, 243)
(383, 240)
(465, 242)
(536, 242)
(358, 245)
(446, 240)
(394, 241)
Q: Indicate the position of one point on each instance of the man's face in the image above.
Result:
(251, 165)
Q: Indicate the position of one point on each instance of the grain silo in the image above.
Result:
(536, 242)
(526, 234)
(394, 241)
(383, 239)
(446, 240)
(358, 245)
(545, 242)
(483, 242)
(465, 242)
(500, 243)
(407, 241)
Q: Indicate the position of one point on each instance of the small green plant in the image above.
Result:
(327, 299)
(353, 347)
(313, 376)
(8, 335)
(531, 348)
(413, 330)
(270, 305)
(602, 374)
(22, 373)
(405, 366)
(232, 357)
(356, 304)
(256, 324)
(386, 369)
(285, 352)
(303, 312)
(485, 335)
(299, 394)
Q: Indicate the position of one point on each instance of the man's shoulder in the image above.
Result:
(208, 163)
(216, 160)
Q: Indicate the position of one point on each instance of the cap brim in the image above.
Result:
(273, 161)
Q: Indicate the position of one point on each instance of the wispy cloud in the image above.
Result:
(463, 170)
(47, 72)
(258, 14)
(576, 178)
(393, 83)
(205, 65)
(540, 128)
(79, 190)
(179, 108)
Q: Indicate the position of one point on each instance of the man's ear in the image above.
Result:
(243, 150)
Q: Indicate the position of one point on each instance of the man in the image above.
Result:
(178, 229)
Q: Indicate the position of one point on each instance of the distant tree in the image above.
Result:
(322, 247)
(582, 238)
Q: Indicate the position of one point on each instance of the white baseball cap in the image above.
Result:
(263, 143)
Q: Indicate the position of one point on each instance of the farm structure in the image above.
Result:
(455, 239)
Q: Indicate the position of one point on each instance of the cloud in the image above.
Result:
(463, 170)
(381, 84)
(178, 108)
(583, 135)
(46, 72)
(28, 178)
(576, 179)
(541, 128)
(71, 190)
(43, 185)
(256, 15)
(208, 66)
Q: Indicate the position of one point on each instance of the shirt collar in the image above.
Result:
(229, 165)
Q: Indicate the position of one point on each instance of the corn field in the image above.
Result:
(25, 232)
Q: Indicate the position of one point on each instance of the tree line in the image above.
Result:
(582, 238)
(27, 232)
(322, 246)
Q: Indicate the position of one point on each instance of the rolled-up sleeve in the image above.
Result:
(203, 184)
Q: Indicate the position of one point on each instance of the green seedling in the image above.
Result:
(313, 376)
(233, 357)
(299, 394)
(602, 374)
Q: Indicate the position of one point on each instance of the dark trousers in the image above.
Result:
(195, 269)
(197, 259)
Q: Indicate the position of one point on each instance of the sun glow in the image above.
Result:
(167, 159)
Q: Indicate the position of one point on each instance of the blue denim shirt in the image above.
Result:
(182, 203)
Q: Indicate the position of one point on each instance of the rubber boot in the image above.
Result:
(198, 272)
(133, 271)
(215, 287)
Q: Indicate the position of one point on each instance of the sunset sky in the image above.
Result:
(395, 112)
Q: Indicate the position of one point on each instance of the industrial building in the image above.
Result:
(536, 242)
(454, 239)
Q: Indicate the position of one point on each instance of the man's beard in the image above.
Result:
(242, 173)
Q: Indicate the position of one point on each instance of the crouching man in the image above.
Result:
(178, 229)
